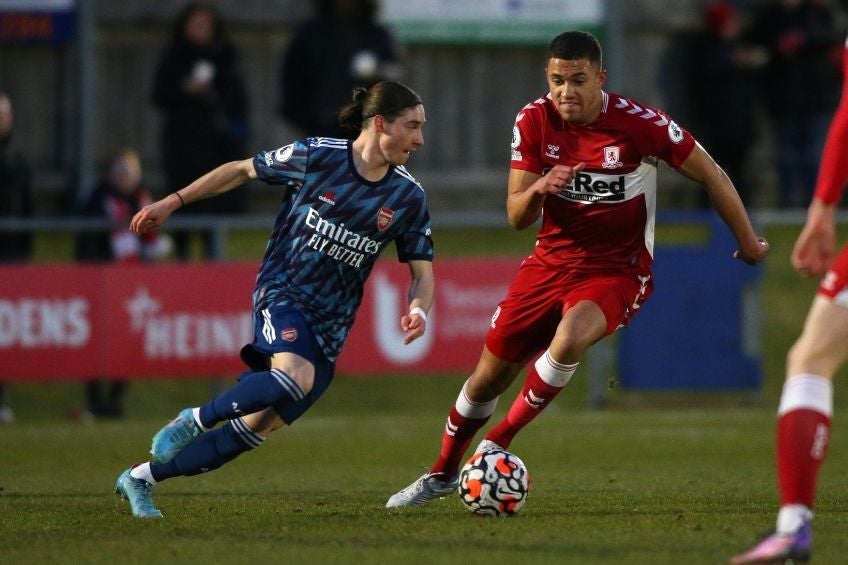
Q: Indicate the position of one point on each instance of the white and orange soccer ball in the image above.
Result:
(494, 483)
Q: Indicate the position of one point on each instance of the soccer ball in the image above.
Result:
(494, 483)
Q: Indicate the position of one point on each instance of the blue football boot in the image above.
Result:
(139, 493)
(177, 434)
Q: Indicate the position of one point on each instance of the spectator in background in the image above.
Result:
(200, 90)
(802, 84)
(340, 48)
(723, 90)
(15, 202)
(117, 197)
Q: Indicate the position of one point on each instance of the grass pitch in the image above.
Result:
(653, 479)
(622, 485)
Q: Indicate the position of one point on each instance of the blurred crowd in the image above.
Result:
(756, 73)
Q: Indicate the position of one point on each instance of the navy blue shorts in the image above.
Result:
(279, 329)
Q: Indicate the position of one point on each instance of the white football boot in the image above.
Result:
(488, 445)
(426, 488)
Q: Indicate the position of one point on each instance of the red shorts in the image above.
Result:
(526, 320)
(834, 284)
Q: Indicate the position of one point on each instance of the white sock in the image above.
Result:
(470, 409)
(143, 472)
(791, 517)
(196, 413)
(553, 372)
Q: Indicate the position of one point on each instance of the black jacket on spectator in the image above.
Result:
(201, 132)
(15, 201)
(327, 58)
(805, 77)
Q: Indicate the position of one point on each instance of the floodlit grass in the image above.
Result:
(615, 486)
(660, 478)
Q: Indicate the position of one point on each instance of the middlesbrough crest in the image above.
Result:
(612, 155)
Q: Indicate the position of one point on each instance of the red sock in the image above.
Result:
(534, 396)
(802, 438)
(803, 433)
(459, 431)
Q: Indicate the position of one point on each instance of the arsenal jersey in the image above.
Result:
(604, 219)
(331, 227)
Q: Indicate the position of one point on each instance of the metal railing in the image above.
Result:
(220, 226)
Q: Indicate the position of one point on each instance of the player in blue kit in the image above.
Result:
(343, 202)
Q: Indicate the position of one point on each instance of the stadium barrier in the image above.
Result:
(701, 328)
(191, 319)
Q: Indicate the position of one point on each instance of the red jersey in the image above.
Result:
(833, 171)
(605, 219)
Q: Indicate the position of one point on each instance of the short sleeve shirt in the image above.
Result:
(605, 219)
(331, 227)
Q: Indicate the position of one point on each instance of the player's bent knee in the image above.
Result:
(569, 349)
(305, 382)
(264, 422)
(298, 368)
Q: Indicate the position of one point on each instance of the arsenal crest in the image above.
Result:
(384, 218)
(289, 334)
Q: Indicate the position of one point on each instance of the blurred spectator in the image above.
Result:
(15, 202)
(341, 47)
(200, 90)
(723, 92)
(118, 196)
(15, 187)
(802, 84)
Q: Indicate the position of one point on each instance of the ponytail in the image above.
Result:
(350, 116)
(388, 99)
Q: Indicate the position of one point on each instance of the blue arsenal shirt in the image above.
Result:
(332, 226)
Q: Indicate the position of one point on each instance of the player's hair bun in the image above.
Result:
(359, 95)
(387, 98)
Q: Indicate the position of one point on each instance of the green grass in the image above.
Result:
(659, 478)
(614, 486)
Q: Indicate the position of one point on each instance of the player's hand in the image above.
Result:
(558, 178)
(753, 254)
(154, 215)
(413, 326)
(815, 247)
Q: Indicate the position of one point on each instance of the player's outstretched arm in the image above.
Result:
(700, 166)
(219, 180)
(422, 289)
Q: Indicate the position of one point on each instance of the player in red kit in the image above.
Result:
(806, 402)
(585, 160)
